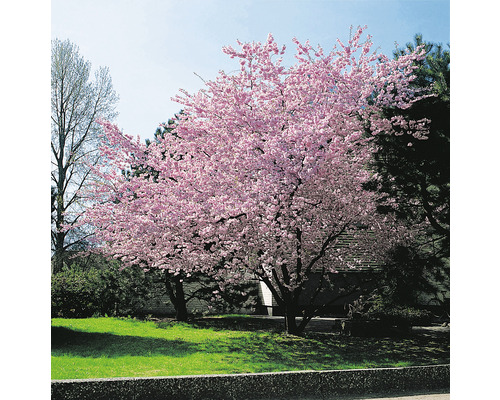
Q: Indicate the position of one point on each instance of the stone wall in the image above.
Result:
(290, 385)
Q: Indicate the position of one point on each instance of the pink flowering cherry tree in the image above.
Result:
(264, 174)
(144, 217)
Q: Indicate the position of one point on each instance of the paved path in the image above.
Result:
(418, 396)
(326, 324)
(435, 396)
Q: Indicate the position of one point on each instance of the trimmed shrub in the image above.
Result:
(401, 315)
(81, 293)
(75, 294)
(124, 292)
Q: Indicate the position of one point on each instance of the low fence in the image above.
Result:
(290, 385)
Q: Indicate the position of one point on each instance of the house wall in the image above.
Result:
(267, 299)
(339, 292)
(160, 304)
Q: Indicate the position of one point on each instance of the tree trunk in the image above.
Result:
(288, 300)
(176, 295)
(291, 324)
(59, 254)
(291, 314)
(181, 313)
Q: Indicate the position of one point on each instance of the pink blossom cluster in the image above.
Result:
(266, 169)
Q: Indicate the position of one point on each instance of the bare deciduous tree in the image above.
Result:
(76, 102)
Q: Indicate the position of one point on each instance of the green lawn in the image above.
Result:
(112, 347)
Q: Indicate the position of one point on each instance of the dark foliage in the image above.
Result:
(417, 174)
(105, 290)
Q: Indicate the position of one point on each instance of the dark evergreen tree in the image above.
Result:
(417, 174)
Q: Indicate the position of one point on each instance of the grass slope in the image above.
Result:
(112, 347)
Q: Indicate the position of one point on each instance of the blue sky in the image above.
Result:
(153, 48)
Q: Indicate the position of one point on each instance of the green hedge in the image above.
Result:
(401, 315)
(81, 293)
(378, 307)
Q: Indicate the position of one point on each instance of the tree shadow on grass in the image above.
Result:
(332, 352)
(386, 351)
(70, 342)
(265, 351)
(323, 350)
